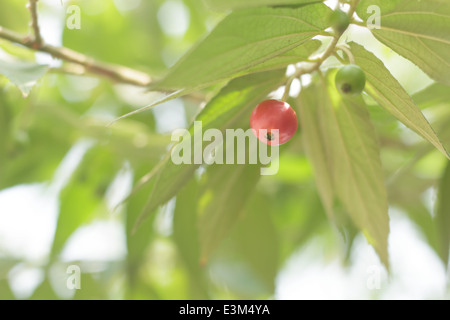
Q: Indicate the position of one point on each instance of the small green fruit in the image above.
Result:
(339, 21)
(350, 80)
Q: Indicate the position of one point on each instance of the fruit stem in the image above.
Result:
(330, 50)
(347, 52)
(339, 58)
(287, 87)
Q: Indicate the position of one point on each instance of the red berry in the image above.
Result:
(271, 115)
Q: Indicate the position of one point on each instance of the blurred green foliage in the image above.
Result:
(230, 230)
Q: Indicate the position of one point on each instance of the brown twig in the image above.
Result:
(114, 72)
(85, 64)
(34, 24)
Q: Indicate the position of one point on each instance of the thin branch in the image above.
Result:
(312, 66)
(114, 72)
(37, 38)
(330, 50)
(358, 23)
(69, 68)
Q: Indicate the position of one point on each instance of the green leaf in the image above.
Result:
(6, 264)
(137, 49)
(83, 197)
(237, 4)
(353, 156)
(240, 96)
(5, 291)
(442, 217)
(14, 21)
(313, 103)
(92, 288)
(420, 215)
(77, 206)
(291, 57)
(23, 74)
(417, 30)
(388, 92)
(227, 189)
(185, 234)
(254, 231)
(432, 95)
(243, 40)
(169, 97)
(23, 141)
(247, 261)
(185, 225)
(137, 243)
(285, 205)
(44, 292)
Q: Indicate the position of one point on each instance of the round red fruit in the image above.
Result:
(274, 122)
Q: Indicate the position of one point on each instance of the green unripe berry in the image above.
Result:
(350, 80)
(339, 21)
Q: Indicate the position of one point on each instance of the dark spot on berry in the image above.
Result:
(270, 136)
(346, 88)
